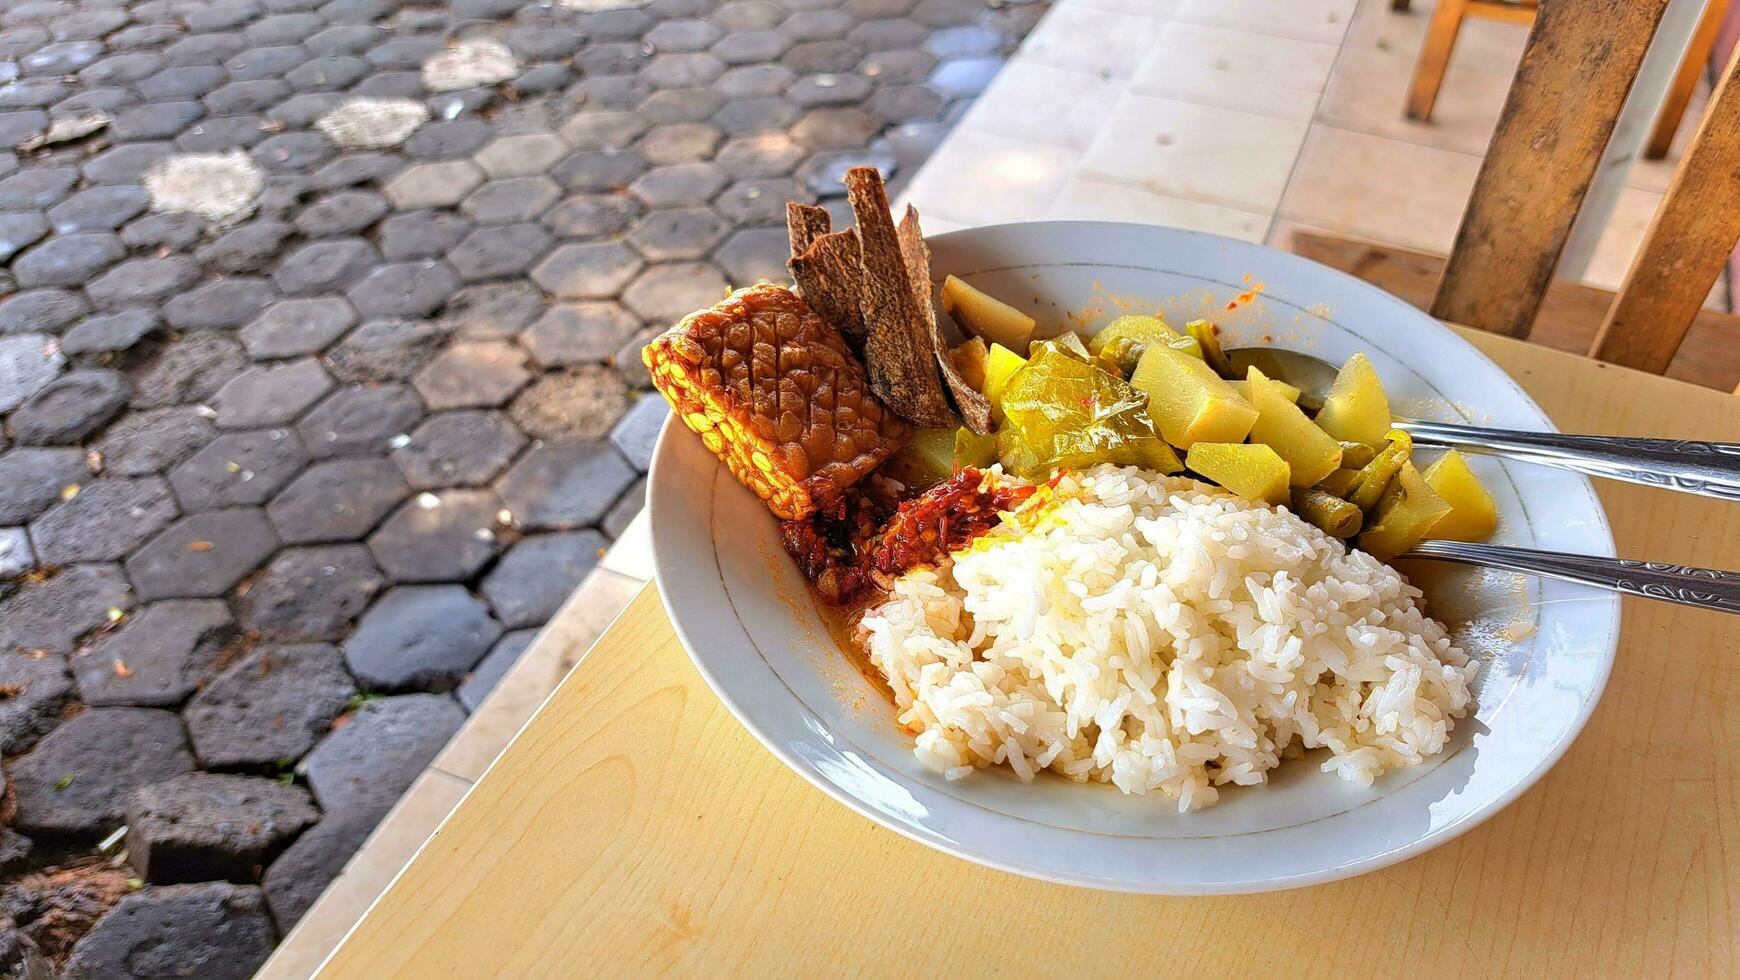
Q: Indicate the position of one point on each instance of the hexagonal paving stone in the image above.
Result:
(498, 251)
(98, 209)
(667, 293)
(522, 155)
(421, 234)
(271, 394)
(493, 667)
(433, 185)
(754, 254)
(587, 271)
(273, 704)
(478, 374)
(291, 153)
(831, 129)
(77, 780)
(756, 81)
(68, 260)
(683, 233)
(759, 155)
(40, 310)
(603, 130)
(675, 105)
(220, 304)
(578, 403)
(19, 231)
(420, 636)
(511, 199)
(252, 247)
(443, 536)
(343, 213)
(28, 362)
(385, 350)
(126, 163)
(365, 766)
(148, 441)
(558, 486)
(291, 327)
(495, 309)
(531, 581)
(678, 184)
(599, 171)
(360, 419)
(69, 408)
(308, 594)
(143, 281)
(580, 333)
(325, 266)
(592, 215)
(206, 826)
(409, 289)
(32, 480)
(336, 500)
(158, 657)
(52, 613)
(202, 555)
(238, 469)
(626, 508)
(103, 521)
(41, 690)
(450, 449)
(638, 431)
(190, 368)
(758, 201)
(352, 169)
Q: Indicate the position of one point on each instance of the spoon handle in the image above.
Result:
(1708, 469)
(1705, 588)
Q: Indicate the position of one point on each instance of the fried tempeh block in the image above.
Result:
(773, 391)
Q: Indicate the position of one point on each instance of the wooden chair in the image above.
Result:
(1447, 18)
(1580, 60)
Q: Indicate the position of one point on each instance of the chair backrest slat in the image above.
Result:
(1581, 58)
(1688, 242)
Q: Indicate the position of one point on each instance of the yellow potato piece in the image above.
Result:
(1404, 517)
(1143, 330)
(1309, 451)
(986, 316)
(1356, 408)
(1188, 401)
(928, 460)
(1000, 365)
(1244, 389)
(1251, 471)
(1473, 516)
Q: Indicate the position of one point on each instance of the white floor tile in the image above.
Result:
(1324, 21)
(1085, 198)
(1381, 189)
(1095, 40)
(1041, 104)
(1260, 73)
(977, 178)
(1206, 153)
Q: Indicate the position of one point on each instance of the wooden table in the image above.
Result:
(634, 827)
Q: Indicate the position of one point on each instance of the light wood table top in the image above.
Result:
(635, 827)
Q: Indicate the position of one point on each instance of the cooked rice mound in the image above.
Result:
(1161, 634)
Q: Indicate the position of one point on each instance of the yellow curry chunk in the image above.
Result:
(1244, 389)
(1473, 516)
(1142, 330)
(1404, 517)
(927, 460)
(1252, 471)
(1000, 365)
(986, 316)
(1188, 401)
(1356, 408)
(1311, 453)
(974, 450)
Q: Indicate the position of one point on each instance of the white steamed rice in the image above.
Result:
(1160, 634)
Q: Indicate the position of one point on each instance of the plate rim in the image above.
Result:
(955, 848)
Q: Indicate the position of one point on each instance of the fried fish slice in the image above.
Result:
(897, 347)
(804, 223)
(773, 391)
(827, 274)
(974, 408)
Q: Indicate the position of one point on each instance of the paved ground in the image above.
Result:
(320, 384)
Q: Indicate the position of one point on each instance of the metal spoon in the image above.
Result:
(1708, 469)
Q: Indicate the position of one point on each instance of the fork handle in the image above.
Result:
(1705, 588)
(1708, 469)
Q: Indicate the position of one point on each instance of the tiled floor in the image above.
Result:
(1246, 118)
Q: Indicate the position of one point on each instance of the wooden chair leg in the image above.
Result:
(1435, 58)
(1673, 108)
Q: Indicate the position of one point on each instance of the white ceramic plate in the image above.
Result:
(742, 611)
